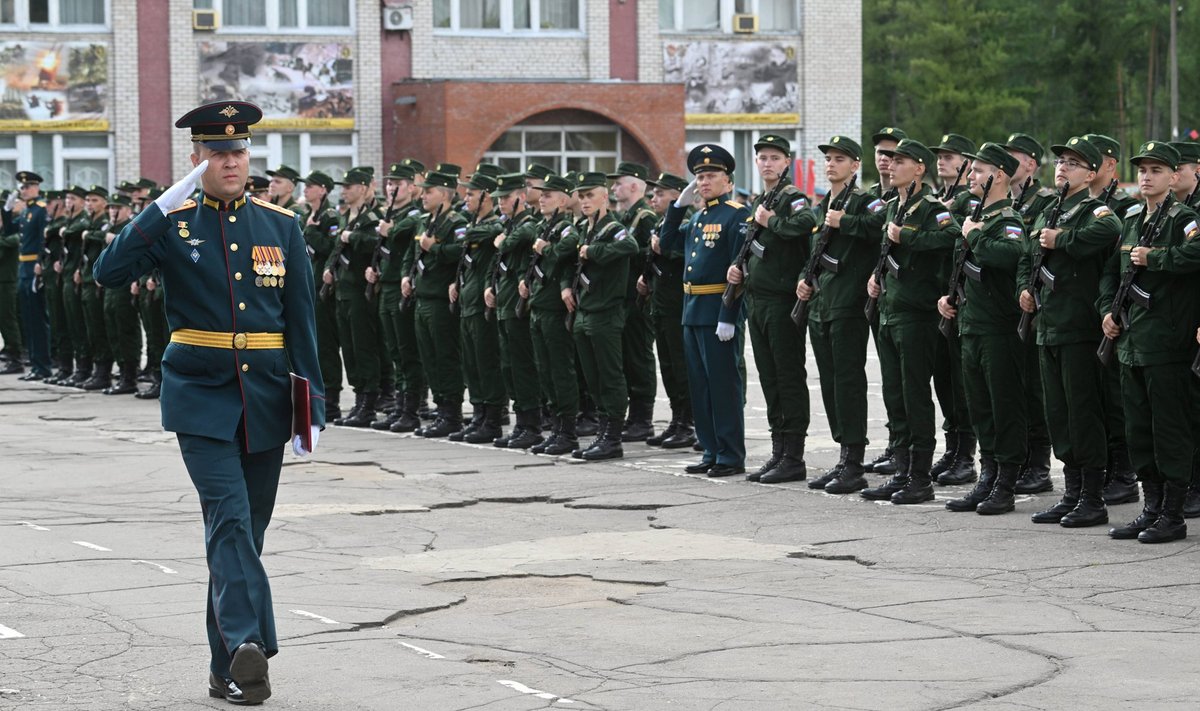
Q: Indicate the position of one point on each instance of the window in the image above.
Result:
(54, 14)
(583, 148)
(717, 15)
(285, 15)
(330, 153)
(497, 16)
(61, 158)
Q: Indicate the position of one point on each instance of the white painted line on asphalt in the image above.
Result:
(9, 633)
(318, 618)
(422, 652)
(521, 688)
(10, 691)
(93, 546)
(35, 527)
(163, 568)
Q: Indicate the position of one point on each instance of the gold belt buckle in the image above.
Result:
(239, 341)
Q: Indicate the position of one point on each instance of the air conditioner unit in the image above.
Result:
(745, 24)
(398, 18)
(205, 20)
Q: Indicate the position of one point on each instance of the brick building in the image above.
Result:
(94, 85)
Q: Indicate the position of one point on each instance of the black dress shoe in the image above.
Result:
(700, 467)
(719, 470)
(228, 689)
(249, 670)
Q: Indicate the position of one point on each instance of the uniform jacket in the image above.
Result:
(406, 222)
(320, 236)
(917, 276)
(436, 268)
(473, 252)
(780, 250)
(605, 272)
(990, 273)
(512, 259)
(711, 241)
(855, 245)
(356, 255)
(556, 266)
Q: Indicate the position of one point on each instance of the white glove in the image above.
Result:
(299, 449)
(178, 193)
(11, 202)
(725, 331)
(687, 195)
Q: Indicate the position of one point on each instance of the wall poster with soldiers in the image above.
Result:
(735, 82)
(298, 85)
(53, 86)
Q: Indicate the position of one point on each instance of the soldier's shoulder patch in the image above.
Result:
(734, 204)
(415, 212)
(187, 205)
(876, 205)
(1134, 210)
(1102, 211)
(620, 235)
(799, 202)
(565, 231)
(944, 218)
(1013, 232)
(1190, 230)
(460, 231)
(272, 206)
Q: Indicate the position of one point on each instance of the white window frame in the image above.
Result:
(21, 20)
(562, 153)
(23, 155)
(272, 24)
(270, 146)
(726, 11)
(506, 23)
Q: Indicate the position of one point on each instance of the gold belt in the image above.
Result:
(218, 339)
(28, 258)
(701, 289)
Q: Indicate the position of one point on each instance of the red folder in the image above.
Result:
(301, 411)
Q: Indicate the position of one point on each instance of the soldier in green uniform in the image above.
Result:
(429, 268)
(10, 250)
(908, 319)
(120, 308)
(663, 284)
(43, 268)
(637, 339)
(713, 344)
(357, 319)
(1067, 322)
(1031, 202)
(594, 294)
(1154, 344)
(777, 256)
(1185, 186)
(71, 285)
(95, 238)
(226, 390)
(281, 189)
(321, 223)
(983, 309)
(885, 140)
(837, 326)
(1121, 480)
(513, 253)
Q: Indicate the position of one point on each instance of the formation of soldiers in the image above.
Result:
(546, 294)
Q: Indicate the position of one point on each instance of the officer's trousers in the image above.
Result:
(840, 349)
(37, 327)
(554, 352)
(717, 390)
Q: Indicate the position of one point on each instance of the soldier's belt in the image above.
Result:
(28, 258)
(219, 339)
(703, 289)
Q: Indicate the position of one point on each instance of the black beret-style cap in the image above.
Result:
(285, 171)
(668, 181)
(222, 125)
(843, 144)
(29, 177)
(773, 140)
(435, 179)
(316, 177)
(710, 156)
(634, 170)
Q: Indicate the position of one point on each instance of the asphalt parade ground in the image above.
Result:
(429, 575)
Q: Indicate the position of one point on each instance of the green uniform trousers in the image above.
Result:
(122, 325)
(329, 352)
(779, 355)
(840, 348)
(893, 398)
(93, 322)
(1159, 429)
(637, 353)
(358, 332)
(517, 360)
(908, 350)
(154, 323)
(10, 322)
(598, 340)
(387, 368)
(1035, 405)
(75, 334)
(480, 358)
(668, 339)
(554, 352)
(1114, 405)
(1072, 381)
(438, 343)
(400, 335)
(948, 386)
(993, 372)
(59, 343)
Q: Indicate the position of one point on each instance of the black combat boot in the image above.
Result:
(685, 432)
(127, 383)
(791, 465)
(608, 446)
(850, 478)
(153, 391)
(962, 468)
(387, 399)
(1121, 483)
(577, 453)
(476, 420)
(489, 427)
(530, 434)
(822, 481)
(1170, 525)
(552, 431)
(587, 424)
(1151, 510)
(919, 488)
(358, 402)
(82, 374)
(564, 440)
(885, 463)
(333, 400)
(408, 421)
(1191, 504)
(1073, 482)
(946, 461)
(776, 453)
(656, 440)
(66, 367)
(449, 421)
(385, 425)
(641, 421)
(101, 377)
(424, 411)
(982, 488)
(11, 364)
(1035, 475)
(1090, 510)
(899, 480)
(366, 412)
(1001, 501)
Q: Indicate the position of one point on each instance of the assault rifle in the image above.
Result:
(579, 282)
(1191, 198)
(821, 260)
(957, 293)
(1128, 292)
(1108, 192)
(949, 191)
(770, 200)
(1026, 193)
(1039, 275)
(417, 265)
(885, 250)
(535, 267)
(381, 251)
(339, 260)
(460, 273)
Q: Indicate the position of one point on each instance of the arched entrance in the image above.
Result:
(563, 140)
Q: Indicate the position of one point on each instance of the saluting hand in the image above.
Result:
(177, 194)
(686, 195)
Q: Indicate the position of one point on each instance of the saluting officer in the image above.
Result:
(226, 391)
(712, 339)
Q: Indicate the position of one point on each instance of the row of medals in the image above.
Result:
(269, 274)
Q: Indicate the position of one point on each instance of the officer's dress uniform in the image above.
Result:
(32, 303)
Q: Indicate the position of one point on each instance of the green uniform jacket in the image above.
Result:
(1089, 236)
(605, 272)
(321, 235)
(915, 280)
(94, 241)
(668, 273)
(53, 246)
(72, 235)
(1165, 332)
(990, 307)
(357, 254)
(10, 249)
(556, 266)
(436, 268)
(779, 251)
(474, 251)
(406, 222)
(855, 245)
(1121, 202)
(639, 221)
(512, 259)
(1036, 204)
